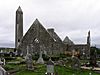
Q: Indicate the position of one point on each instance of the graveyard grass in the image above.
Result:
(41, 69)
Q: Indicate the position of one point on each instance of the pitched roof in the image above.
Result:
(36, 32)
(54, 35)
(67, 41)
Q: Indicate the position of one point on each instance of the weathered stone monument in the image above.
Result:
(50, 67)
(75, 62)
(93, 61)
(3, 71)
(29, 62)
(4, 61)
(40, 60)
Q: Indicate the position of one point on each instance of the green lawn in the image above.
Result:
(25, 72)
(41, 69)
(69, 71)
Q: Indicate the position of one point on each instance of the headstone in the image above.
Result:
(4, 61)
(3, 71)
(50, 67)
(29, 62)
(93, 61)
(40, 60)
(75, 63)
(73, 53)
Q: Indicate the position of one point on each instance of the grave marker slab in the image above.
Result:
(29, 62)
(40, 60)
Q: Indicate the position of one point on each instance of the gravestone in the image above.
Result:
(3, 71)
(75, 63)
(40, 60)
(93, 61)
(50, 67)
(73, 53)
(29, 62)
(4, 61)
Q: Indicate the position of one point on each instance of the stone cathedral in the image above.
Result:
(38, 38)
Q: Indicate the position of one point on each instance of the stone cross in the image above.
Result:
(45, 52)
(73, 53)
(29, 62)
(27, 49)
(41, 54)
(40, 60)
(4, 61)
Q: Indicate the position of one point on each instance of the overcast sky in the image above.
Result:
(72, 18)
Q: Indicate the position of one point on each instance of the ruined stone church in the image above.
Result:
(83, 49)
(38, 38)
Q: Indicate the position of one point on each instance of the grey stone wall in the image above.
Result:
(38, 36)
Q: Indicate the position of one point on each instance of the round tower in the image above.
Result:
(88, 44)
(19, 26)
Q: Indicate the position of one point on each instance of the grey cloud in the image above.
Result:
(73, 18)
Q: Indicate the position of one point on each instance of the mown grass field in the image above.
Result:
(41, 69)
